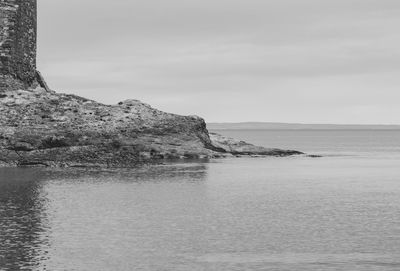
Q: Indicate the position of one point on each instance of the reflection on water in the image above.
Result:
(23, 221)
(34, 210)
(333, 213)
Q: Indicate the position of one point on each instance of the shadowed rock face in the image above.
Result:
(18, 43)
(45, 128)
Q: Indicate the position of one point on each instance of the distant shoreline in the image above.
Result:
(296, 126)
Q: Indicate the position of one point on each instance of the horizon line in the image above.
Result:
(300, 123)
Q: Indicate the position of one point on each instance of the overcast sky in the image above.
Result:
(308, 61)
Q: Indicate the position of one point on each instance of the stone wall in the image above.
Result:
(18, 43)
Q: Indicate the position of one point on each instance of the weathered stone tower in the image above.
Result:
(18, 24)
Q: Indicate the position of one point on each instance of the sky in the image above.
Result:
(302, 61)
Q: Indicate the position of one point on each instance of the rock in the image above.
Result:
(39, 127)
(236, 147)
(314, 156)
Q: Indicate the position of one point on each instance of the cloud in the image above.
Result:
(228, 60)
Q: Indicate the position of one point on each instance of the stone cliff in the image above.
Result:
(38, 127)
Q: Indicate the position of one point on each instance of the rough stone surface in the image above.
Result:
(41, 128)
(237, 147)
(18, 24)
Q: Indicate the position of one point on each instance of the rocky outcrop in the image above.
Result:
(237, 147)
(42, 128)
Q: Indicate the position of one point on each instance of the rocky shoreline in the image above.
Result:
(44, 128)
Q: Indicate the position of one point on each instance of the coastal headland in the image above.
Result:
(39, 127)
(45, 128)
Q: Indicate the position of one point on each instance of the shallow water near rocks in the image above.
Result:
(339, 212)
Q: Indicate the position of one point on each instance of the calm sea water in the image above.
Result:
(339, 212)
(325, 142)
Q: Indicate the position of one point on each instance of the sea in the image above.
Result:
(340, 211)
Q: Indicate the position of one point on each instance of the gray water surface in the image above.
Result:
(297, 213)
